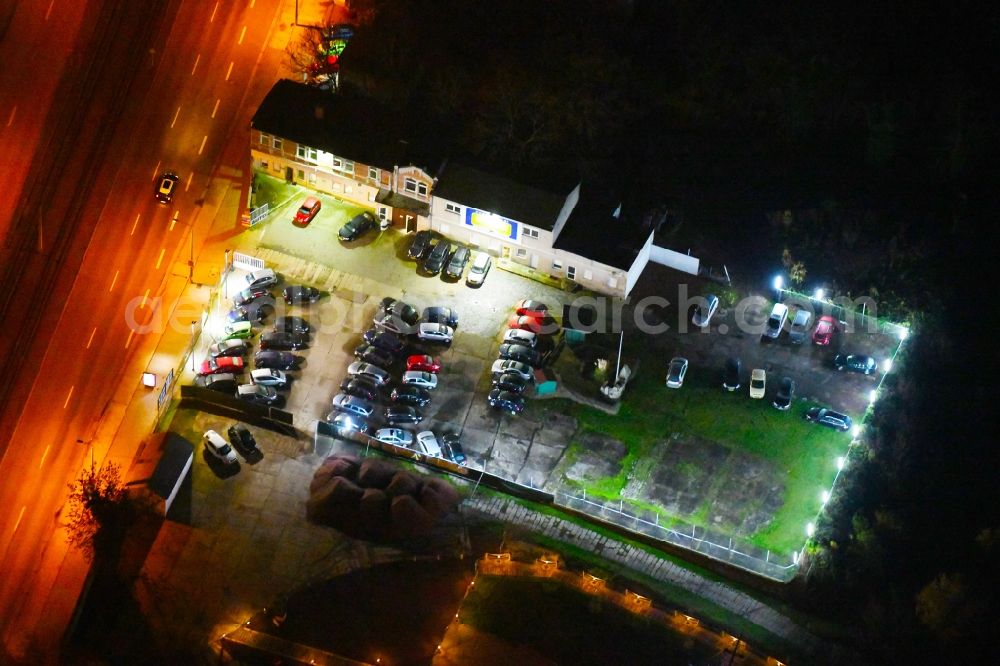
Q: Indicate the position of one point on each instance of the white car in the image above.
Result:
(675, 372)
(523, 370)
(427, 443)
(422, 379)
(353, 405)
(396, 436)
(480, 267)
(519, 337)
(776, 321)
(435, 332)
(368, 371)
(703, 313)
(269, 377)
(219, 447)
(758, 378)
(265, 277)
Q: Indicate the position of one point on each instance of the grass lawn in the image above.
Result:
(802, 453)
(271, 191)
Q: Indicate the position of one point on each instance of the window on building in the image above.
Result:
(263, 165)
(571, 272)
(302, 174)
(349, 167)
(373, 173)
(276, 143)
(338, 163)
(556, 265)
(587, 275)
(530, 233)
(521, 253)
(265, 138)
(452, 208)
(422, 189)
(410, 185)
(306, 153)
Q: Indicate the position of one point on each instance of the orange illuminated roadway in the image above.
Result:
(204, 78)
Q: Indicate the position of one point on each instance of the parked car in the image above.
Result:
(269, 377)
(368, 371)
(265, 277)
(480, 267)
(239, 330)
(292, 325)
(703, 313)
(281, 340)
(519, 337)
(307, 211)
(219, 448)
(427, 443)
(393, 324)
(242, 439)
(515, 352)
(353, 404)
(372, 354)
(786, 393)
(253, 313)
(384, 340)
(800, 326)
(675, 372)
(731, 375)
(424, 363)
(396, 436)
(404, 311)
(451, 448)
(300, 293)
(523, 370)
(410, 395)
(360, 387)
(357, 227)
(758, 379)
(826, 327)
(422, 379)
(228, 348)
(344, 423)
(779, 313)
(275, 359)
(396, 414)
(829, 418)
(259, 395)
(436, 257)
(530, 308)
(457, 263)
(511, 403)
(435, 332)
(165, 187)
(537, 325)
(249, 295)
(855, 363)
(211, 366)
(223, 382)
(510, 382)
(440, 315)
(420, 245)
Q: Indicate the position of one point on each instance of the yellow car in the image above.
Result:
(758, 378)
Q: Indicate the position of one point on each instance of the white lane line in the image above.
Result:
(214, 9)
(243, 33)
(252, 2)
(160, 258)
(49, 10)
(46, 453)
(144, 297)
(129, 341)
(174, 121)
(10, 121)
(202, 146)
(135, 224)
(92, 333)
(187, 185)
(230, 70)
(156, 169)
(196, 61)
(19, 517)
(68, 396)
(113, 280)
(216, 107)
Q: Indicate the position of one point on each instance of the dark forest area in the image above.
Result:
(855, 139)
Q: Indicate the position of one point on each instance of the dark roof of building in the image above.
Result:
(502, 196)
(345, 124)
(593, 231)
(160, 462)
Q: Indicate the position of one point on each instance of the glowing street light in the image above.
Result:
(819, 294)
(840, 463)
(904, 333)
(872, 395)
(778, 283)
(855, 430)
(887, 365)
(825, 497)
(810, 529)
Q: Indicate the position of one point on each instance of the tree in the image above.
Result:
(100, 510)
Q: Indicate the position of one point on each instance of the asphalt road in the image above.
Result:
(163, 86)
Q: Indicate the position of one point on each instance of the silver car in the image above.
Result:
(353, 405)
(396, 436)
(265, 277)
(435, 332)
(393, 324)
(519, 337)
(422, 379)
(480, 267)
(676, 371)
(369, 371)
(269, 377)
(703, 313)
(523, 370)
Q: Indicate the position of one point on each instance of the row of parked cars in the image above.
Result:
(440, 256)
(521, 351)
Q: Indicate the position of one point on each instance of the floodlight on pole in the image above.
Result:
(872, 395)
(841, 461)
(810, 529)
(887, 365)
(825, 497)
(904, 333)
(778, 283)
(855, 430)
(819, 294)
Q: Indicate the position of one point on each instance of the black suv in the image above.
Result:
(510, 382)
(441, 315)
(404, 311)
(410, 395)
(435, 260)
(384, 340)
(359, 225)
(292, 325)
(242, 439)
(277, 360)
(360, 388)
(282, 340)
(395, 414)
(421, 243)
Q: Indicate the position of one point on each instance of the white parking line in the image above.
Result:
(216, 107)
(129, 341)
(243, 33)
(196, 61)
(68, 396)
(214, 9)
(159, 259)
(144, 297)
(91, 337)
(113, 280)
(230, 70)
(174, 121)
(202, 146)
(135, 224)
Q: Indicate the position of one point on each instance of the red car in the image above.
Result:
(825, 328)
(539, 325)
(212, 366)
(531, 308)
(307, 211)
(424, 363)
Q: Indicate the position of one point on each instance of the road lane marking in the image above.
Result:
(144, 297)
(202, 146)
(160, 258)
(129, 341)
(214, 9)
(135, 224)
(10, 121)
(49, 10)
(230, 71)
(91, 337)
(156, 170)
(174, 121)
(216, 107)
(252, 3)
(19, 517)
(113, 280)
(42, 461)
(243, 33)
(196, 61)
(190, 179)
(68, 396)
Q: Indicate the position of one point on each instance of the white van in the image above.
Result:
(480, 267)
(776, 321)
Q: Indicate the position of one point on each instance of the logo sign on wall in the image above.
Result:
(492, 224)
